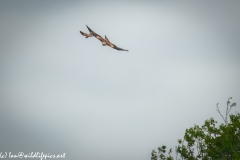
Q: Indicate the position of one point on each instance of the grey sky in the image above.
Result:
(62, 93)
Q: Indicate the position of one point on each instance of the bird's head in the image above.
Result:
(104, 43)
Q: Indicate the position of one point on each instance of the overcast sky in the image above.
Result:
(63, 93)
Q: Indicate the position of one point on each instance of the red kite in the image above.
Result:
(104, 41)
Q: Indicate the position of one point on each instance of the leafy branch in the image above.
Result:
(208, 141)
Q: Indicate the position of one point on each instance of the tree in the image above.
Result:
(209, 141)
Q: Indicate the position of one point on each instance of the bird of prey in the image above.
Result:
(104, 41)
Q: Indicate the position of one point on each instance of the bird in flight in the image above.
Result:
(104, 41)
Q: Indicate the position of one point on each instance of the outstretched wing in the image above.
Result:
(120, 49)
(95, 35)
(84, 34)
(116, 47)
(113, 45)
(90, 29)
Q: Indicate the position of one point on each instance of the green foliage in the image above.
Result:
(209, 141)
(161, 153)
